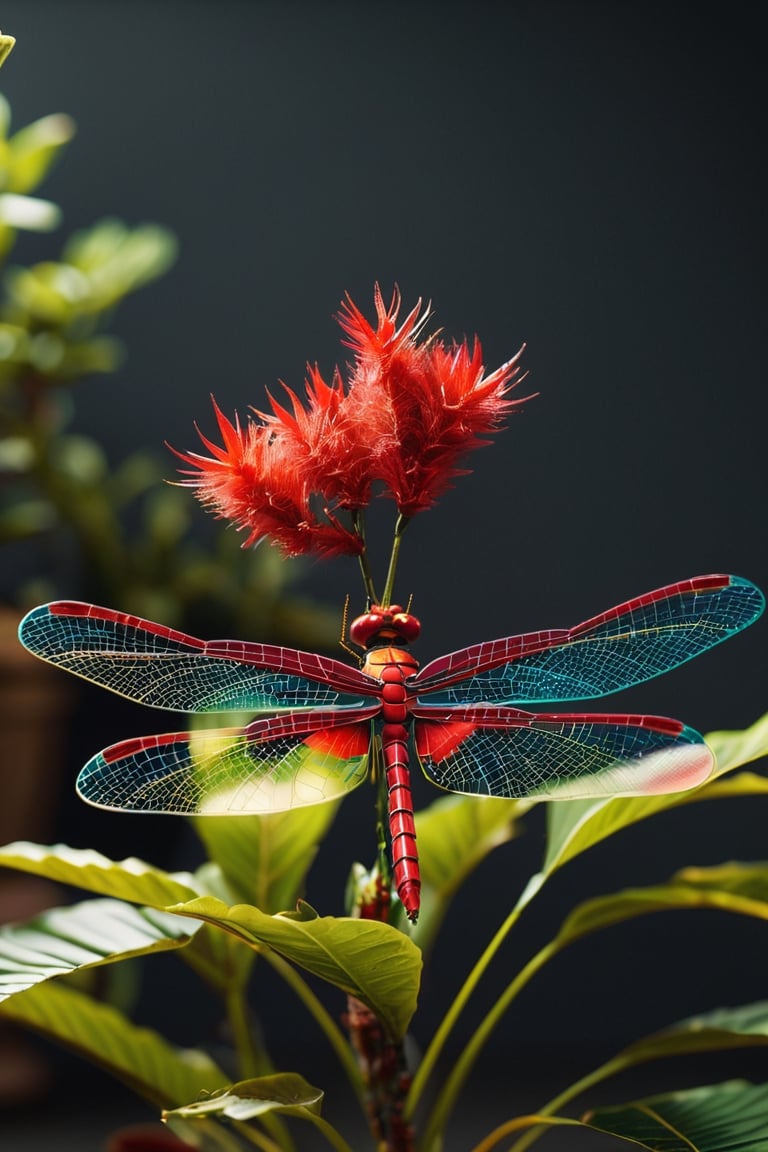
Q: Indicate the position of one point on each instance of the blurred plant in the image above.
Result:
(117, 533)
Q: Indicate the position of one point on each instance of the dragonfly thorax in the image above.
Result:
(390, 664)
(383, 626)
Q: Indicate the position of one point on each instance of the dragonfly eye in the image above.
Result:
(384, 625)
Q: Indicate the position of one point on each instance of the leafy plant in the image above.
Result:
(141, 910)
(244, 907)
(123, 534)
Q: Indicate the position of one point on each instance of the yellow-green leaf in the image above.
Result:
(130, 879)
(739, 888)
(33, 149)
(283, 1092)
(266, 858)
(366, 959)
(743, 1027)
(6, 45)
(148, 1064)
(85, 935)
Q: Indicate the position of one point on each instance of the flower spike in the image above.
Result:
(412, 409)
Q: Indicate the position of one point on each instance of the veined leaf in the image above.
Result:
(266, 858)
(366, 959)
(284, 1092)
(83, 936)
(730, 1117)
(148, 1064)
(455, 833)
(130, 879)
(575, 826)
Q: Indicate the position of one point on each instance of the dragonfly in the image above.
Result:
(322, 725)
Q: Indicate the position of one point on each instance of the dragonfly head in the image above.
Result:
(384, 626)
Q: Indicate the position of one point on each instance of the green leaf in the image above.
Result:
(33, 149)
(266, 858)
(83, 935)
(740, 888)
(6, 44)
(575, 826)
(284, 1092)
(28, 212)
(730, 1117)
(455, 834)
(734, 880)
(287, 1093)
(742, 1027)
(117, 259)
(130, 879)
(372, 961)
(148, 1064)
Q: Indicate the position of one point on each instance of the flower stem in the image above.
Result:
(358, 524)
(400, 527)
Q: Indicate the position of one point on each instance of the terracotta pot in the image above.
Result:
(34, 700)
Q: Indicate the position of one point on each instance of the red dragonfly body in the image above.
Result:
(392, 666)
(326, 720)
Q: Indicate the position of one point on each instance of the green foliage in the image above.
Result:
(152, 1067)
(373, 962)
(129, 533)
(200, 918)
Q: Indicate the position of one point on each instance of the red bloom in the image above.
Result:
(327, 439)
(254, 481)
(431, 403)
(413, 408)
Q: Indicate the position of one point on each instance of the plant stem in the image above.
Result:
(536, 1122)
(258, 1139)
(334, 1138)
(400, 527)
(248, 1061)
(469, 1055)
(358, 524)
(437, 1044)
(326, 1024)
(610, 1068)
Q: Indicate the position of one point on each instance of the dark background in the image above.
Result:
(585, 177)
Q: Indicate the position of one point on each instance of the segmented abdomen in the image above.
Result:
(394, 741)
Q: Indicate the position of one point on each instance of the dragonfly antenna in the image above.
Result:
(343, 637)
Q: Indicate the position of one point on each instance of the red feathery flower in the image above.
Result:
(328, 440)
(413, 409)
(432, 403)
(253, 481)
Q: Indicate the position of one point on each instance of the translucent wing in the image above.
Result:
(504, 752)
(289, 761)
(164, 668)
(624, 646)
